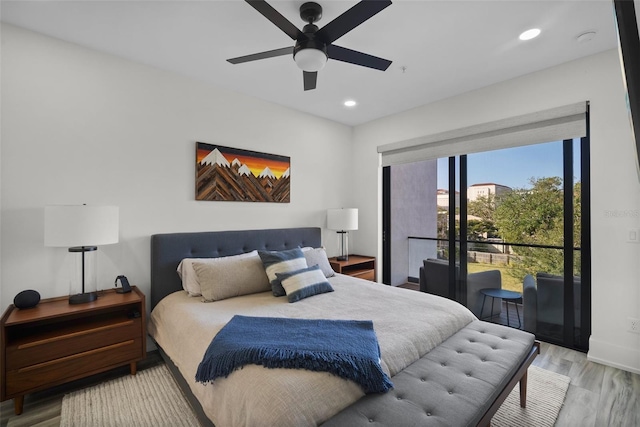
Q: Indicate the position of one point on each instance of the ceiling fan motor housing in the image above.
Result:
(310, 41)
(309, 44)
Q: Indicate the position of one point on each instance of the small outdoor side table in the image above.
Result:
(507, 296)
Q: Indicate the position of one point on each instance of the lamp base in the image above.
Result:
(83, 298)
(343, 258)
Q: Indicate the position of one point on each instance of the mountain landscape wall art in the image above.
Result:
(232, 174)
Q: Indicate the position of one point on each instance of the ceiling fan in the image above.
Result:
(315, 46)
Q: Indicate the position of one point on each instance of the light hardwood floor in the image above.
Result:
(598, 395)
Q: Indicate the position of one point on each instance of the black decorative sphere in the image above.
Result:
(27, 299)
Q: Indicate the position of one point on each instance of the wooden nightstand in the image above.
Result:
(56, 342)
(360, 266)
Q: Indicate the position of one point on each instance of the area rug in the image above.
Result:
(149, 398)
(546, 391)
(152, 398)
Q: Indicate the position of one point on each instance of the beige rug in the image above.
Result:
(546, 391)
(152, 398)
(149, 398)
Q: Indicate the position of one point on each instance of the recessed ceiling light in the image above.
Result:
(586, 37)
(530, 34)
(350, 103)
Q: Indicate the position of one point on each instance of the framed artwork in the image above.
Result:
(231, 174)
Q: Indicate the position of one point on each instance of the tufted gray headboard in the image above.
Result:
(167, 250)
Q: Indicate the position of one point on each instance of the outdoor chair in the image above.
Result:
(434, 279)
(543, 300)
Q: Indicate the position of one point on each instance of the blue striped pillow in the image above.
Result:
(281, 262)
(304, 283)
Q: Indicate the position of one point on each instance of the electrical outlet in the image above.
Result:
(634, 325)
(633, 235)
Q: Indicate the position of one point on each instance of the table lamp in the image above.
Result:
(81, 228)
(343, 220)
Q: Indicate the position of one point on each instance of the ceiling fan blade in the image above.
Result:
(309, 80)
(262, 55)
(358, 58)
(351, 19)
(274, 16)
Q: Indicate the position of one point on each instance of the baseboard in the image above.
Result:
(605, 353)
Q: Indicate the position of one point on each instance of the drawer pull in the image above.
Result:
(76, 334)
(75, 356)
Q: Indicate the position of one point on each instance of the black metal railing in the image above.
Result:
(480, 257)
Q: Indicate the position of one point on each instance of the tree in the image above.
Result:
(477, 229)
(484, 208)
(480, 229)
(577, 226)
(532, 215)
(535, 216)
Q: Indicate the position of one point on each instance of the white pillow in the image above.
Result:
(189, 277)
(318, 256)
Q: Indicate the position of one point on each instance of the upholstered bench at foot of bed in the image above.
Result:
(455, 384)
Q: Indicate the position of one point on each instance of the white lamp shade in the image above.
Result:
(80, 225)
(342, 219)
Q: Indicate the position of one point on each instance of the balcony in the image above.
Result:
(540, 267)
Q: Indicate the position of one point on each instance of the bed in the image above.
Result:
(412, 329)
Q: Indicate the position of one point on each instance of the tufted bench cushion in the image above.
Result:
(455, 384)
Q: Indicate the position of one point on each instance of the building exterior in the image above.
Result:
(473, 192)
(443, 198)
(485, 190)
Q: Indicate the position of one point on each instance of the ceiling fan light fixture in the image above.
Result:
(310, 59)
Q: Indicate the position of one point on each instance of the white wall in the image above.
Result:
(79, 126)
(615, 188)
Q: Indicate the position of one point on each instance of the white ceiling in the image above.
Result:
(438, 48)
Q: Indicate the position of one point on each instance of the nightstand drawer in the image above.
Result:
(73, 366)
(71, 340)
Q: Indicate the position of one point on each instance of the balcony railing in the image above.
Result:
(493, 254)
(542, 307)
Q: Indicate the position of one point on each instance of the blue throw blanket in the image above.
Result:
(346, 348)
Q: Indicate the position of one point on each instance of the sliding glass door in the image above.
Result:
(505, 220)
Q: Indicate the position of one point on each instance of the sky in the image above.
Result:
(513, 167)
